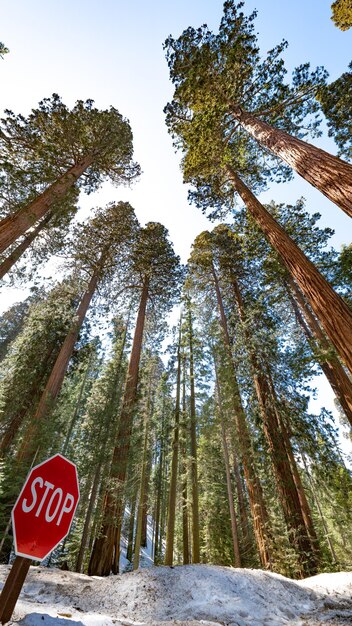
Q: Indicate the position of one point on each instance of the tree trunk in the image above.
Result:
(285, 483)
(16, 254)
(256, 500)
(133, 505)
(170, 531)
(58, 372)
(89, 513)
(193, 433)
(184, 446)
(339, 381)
(246, 534)
(225, 449)
(321, 514)
(13, 226)
(103, 557)
(77, 408)
(331, 175)
(331, 310)
(12, 428)
(159, 483)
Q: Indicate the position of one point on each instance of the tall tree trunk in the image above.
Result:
(184, 446)
(103, 557)
(58, 372)
(256, 500)
(144, 476)
(285, 482)
(15, 423)
(339, 381)
(77, 408)
(170, 531)
(193, 433)
(16, 254)
(331, 310)
(246, 534)
(321, 514)
(15, 225)
(133, 505)
(331, 175)
(225, 449)
(88, 517)
(159, 484)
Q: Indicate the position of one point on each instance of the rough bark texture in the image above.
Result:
(339, 381)
(170, 530)
(225, 450)
(331, 175)
(193, 441)
(105, 553)
(333, 313)
(256, 500)
(184, 445)
(16, 254)
(285, 482)
(57, 375)
(15, 225)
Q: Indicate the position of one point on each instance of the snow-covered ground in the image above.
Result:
(185, 596)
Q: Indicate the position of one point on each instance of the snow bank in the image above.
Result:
(190, 595)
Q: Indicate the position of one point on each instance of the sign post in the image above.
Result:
(41, 519)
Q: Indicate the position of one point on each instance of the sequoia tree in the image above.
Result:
(224, 76)
(157, 272)
(58, 148)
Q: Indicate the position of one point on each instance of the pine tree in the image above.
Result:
(342, 14)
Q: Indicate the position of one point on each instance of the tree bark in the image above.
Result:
(13, 226)
(339, 381)
(58, 372)
(184, 471)
(103, 559)
(225, 449)
(16, 254)
(170, 531)
(331, 175)
(193, 441)
(286, 486)
(331, 310)
(256, 500)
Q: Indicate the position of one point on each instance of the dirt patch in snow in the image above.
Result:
(186, 595)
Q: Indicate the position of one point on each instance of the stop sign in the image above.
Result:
(43, 512)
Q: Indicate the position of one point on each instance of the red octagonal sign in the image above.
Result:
(43, 513)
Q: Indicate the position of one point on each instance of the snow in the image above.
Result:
(184, 595)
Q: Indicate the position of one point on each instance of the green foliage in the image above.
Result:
(336, 104)
(216, 76)
(3, 50)
(342, 14)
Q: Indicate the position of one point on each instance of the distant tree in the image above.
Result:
(56, 149)
(336, 103)
(342, 14)
(157, 275)
(3, 50)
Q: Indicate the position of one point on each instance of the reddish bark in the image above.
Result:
(331, 175)
(16, 254)
(340, 383)
(106, 548)
(256, 500)
(286, 486)
(331, 310)
(57, 375)
(15, 225)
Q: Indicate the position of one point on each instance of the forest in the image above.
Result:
(181, 390)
